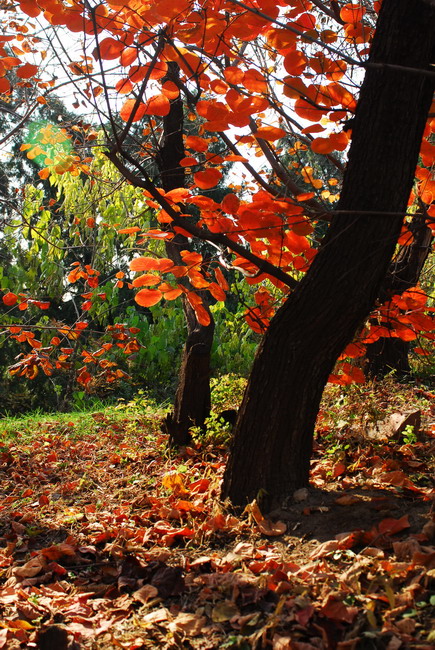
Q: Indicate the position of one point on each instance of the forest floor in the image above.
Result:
(107, 540)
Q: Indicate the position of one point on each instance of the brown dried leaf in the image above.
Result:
(189, 624)
(347, 500)
(31, 568)
(145, 593)
(224, 611)
(158, 616)
(338, 611)
(325, 548)
(57, 551)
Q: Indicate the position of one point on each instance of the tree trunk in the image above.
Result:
(391, 353)
(192, 399)
(274, 432)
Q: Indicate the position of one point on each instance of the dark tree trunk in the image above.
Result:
(391, 353)
(192, 399)
(274, 432)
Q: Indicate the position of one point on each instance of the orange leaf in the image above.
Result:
(10, 299)
(307, 111)
(322, 145)
(201, 313)
(221, 279)
(254, 81)
(128, 56)
(161, 264)
(269, 133)
(338, 611)
(138, 73)
(272, 528)
(110, 49)
(148, 297)
(230, 203)
(188, 161)
(169, 292)
(196, 143)
(26, 71)
(233, 75)
(207, 178)
(128, 108)
(217, 292)
(392, 526)
(44, 173)
(129, 231)
(57, 551)
(30, 8)
(123, 86)
(157, 105)
(352, 13)
(295, 62)
(174, 483)
(147, 280)
(5, 85)
(170, 90)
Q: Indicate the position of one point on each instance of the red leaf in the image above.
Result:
(391, 526)
(337, 610)
(27, 71)
(207, 178)
(10, 299)
(30, 8)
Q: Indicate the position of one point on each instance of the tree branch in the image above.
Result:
(216, 238)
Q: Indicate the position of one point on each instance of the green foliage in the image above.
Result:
(162, 335)
(227, 392)
(234, 342)
(218, 431)
(409, 436)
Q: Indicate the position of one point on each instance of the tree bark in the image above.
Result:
(391, 353)
(274, 432)
(192, 399)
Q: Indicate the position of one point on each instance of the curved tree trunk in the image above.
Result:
(391, 353)
(192, 399)
(274, 432)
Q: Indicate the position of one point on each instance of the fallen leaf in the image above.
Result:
(392, 526)
(158, 616)
(224, 611)
(272, 528)
(57, 551)
(30, 568)
(145, 593)
(348, 500)
(326, 547)
(169, 581)
(338, 611)
(189, 624)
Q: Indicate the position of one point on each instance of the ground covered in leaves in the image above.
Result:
(109, 541)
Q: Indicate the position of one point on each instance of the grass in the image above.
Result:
(80, 422)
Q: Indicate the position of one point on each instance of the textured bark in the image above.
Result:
(274, 432)
(192, 399)
(391, 353)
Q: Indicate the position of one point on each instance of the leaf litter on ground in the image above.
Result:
(107, 540)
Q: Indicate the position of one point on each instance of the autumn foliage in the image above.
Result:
(290, 93)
